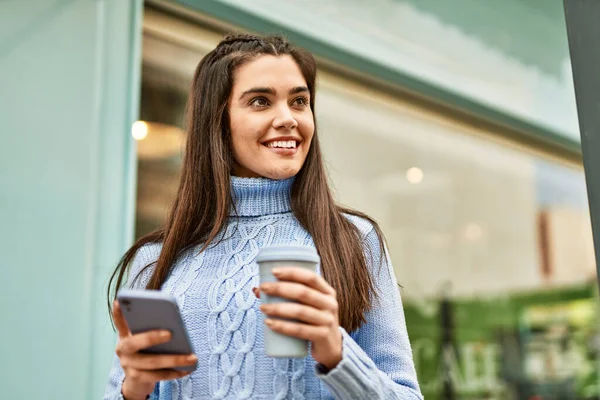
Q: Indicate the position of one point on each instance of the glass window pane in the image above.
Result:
(482, 233)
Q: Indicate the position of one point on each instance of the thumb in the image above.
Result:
(119, 321)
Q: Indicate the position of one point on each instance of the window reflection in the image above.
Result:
(491, 244)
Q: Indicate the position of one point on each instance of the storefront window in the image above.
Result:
(491, 243)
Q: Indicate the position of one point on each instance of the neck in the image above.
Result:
(260, 196)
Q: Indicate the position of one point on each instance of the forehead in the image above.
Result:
(268, 71)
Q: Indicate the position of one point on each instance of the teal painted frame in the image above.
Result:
(113, 139)
(431, 92)
(68, 164)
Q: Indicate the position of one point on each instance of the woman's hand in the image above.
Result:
(316, 311)
(143, 371)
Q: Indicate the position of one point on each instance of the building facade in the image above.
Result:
(455, 128)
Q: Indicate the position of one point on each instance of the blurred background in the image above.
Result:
(452, 122)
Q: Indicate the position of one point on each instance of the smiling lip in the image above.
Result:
(283, 151)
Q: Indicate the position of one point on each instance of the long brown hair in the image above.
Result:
(202, 205)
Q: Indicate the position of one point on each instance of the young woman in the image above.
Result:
(253, 176)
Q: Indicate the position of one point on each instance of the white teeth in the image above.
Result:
(290, 144)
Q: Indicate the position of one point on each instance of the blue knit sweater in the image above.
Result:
(221, 314)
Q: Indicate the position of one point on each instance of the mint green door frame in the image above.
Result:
(69, 88)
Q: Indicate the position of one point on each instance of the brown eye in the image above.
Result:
(259, 102)
(301, 101)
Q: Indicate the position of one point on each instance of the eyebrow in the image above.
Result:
(270, 90)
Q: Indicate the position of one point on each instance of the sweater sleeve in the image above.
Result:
(377, 363)
(144, 256)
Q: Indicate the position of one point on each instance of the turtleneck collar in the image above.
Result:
(260, 196)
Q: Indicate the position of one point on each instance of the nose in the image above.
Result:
(285, 119)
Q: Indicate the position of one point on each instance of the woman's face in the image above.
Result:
(271, 120)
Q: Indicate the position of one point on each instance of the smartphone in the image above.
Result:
(146, 310)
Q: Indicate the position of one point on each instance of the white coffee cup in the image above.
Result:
(277, 344)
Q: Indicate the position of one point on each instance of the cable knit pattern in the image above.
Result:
(222, 316)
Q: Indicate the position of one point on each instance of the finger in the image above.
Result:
(299, 330)
(153, 362)
(119, 321)
(300, 312)
(256, 292)
(305, 276)
(156, 375)
(135, 343)
(300, 293)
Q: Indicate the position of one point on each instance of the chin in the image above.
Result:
(281, 174)
(279, 177)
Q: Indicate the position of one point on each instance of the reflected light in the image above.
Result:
(139, 130)
(160, 141)
(414, 175)
(473, 232)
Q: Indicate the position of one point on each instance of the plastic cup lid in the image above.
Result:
(288, 253)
